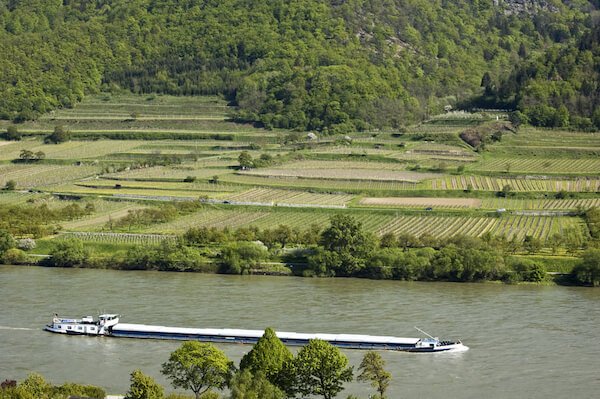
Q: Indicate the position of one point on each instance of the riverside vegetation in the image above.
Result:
(460, 197)
(268, 370)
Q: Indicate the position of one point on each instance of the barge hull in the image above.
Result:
(347, 341)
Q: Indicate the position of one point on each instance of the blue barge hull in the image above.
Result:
(347, 341)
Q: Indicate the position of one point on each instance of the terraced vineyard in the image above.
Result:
(507, 226)
(32, 175)
(319, 184)
(540, 204)
(487, 183)
(394, 172)
(83, 150)
(119, 238)
(420, 202)
(582, 166)
(344, 174)
(289, 197)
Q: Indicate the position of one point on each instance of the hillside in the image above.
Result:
(329, 66)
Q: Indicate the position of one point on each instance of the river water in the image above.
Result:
(526, 341)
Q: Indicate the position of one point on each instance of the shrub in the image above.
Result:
(69, 253)
(11, 185)
(528, 270)
(588, 270)
(26, 244)
(14, 256)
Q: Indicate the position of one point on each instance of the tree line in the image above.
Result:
(268, 371)
(343, 249)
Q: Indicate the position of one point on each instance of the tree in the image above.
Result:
(268, 356)
(247, 385)
(6, 241)
(12, 133)
(11, 185)
(349, 241)
(532, 244)
(588, 269)
(69, 253)
(321, 369)
(60, 135)
(143, 387)
(26, 155)
(245, 160)
(198, 367)
(241, 257)
(372, 369)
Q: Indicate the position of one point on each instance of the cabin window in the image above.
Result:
(80, 328)
(69, 327)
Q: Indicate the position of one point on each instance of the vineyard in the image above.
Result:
(419, 202)
(279, 197)
(507, 226)
(487, 183)
(118, 238)
(308, 179)
(68, 150)
(540, 165)
(344, 174)
(32, 175)
(175, 172)
(540, 204)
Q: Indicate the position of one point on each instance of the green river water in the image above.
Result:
(526, 341)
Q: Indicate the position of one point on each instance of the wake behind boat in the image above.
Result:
(109, 325)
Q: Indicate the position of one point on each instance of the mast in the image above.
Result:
(425, 333)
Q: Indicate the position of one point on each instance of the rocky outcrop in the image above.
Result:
(525, 6)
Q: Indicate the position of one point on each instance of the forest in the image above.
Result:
(327, 66)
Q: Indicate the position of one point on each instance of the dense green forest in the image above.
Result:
(331, 66)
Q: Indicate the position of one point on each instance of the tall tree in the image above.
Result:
(372, 369)
(269, 355)
(198, 367)
(346, 238)
(321, 369)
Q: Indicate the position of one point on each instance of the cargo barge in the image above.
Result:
(109, 325)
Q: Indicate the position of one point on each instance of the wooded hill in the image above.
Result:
(331, 66)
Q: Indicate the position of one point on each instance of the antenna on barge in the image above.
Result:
(424, 333)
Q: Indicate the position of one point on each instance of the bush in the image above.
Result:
(242, 257)
(69, 253)
(14, 256)
(11, 185)
(26, 244)
(528, 270)
(588, 270)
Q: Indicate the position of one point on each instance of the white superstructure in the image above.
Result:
(84, 326)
